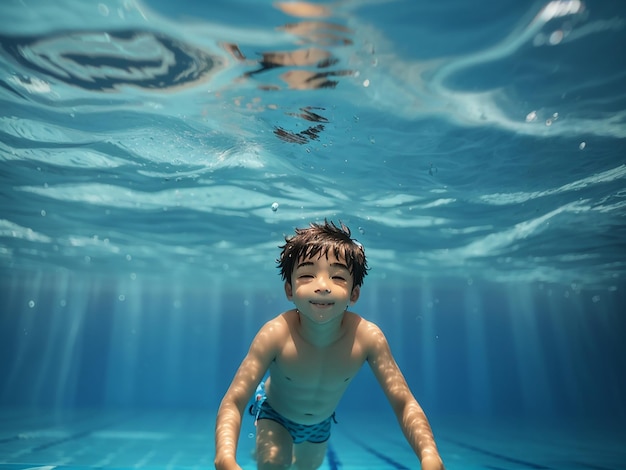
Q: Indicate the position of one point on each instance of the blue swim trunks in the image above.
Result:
(315, 433)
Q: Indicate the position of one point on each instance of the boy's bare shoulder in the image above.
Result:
(363, 328)
(271, 335)
(367, 332)
(281, 324)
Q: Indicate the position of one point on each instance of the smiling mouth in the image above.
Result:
(322, 304)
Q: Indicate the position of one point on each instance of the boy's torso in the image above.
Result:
(306, 382)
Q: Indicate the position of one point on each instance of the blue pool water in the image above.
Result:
(153, 155)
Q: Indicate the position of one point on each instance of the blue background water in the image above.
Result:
(477, 150)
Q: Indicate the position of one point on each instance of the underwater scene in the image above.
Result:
(154, 155)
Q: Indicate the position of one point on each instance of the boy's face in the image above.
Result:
(322, 288)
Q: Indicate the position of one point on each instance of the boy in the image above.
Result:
(312, 353)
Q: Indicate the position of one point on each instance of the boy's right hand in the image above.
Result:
(228, 464)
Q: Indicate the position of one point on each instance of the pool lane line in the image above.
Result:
(333, 460)
(78, 435)
(506, 458)
(385, 458)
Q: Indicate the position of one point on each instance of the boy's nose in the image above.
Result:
(322, 286)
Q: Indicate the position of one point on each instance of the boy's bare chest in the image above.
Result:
(301, 362)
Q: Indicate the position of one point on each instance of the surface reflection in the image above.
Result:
(105, 61)
(311, 65)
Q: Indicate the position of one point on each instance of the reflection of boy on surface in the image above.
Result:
(312, 353)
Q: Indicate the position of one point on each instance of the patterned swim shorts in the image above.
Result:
(315, 433)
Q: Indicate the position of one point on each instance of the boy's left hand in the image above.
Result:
(432, 462)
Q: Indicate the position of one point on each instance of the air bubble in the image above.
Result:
(582, 145)
(556, 37)
(274, 206)
(31, 303)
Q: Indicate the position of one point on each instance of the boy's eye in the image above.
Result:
(305, 276)
(339, 278)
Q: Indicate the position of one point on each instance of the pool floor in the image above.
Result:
(119, 439)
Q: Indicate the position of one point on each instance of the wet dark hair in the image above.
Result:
(319, 240)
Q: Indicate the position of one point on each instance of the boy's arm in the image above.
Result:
(231, 410)
(410, 415)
